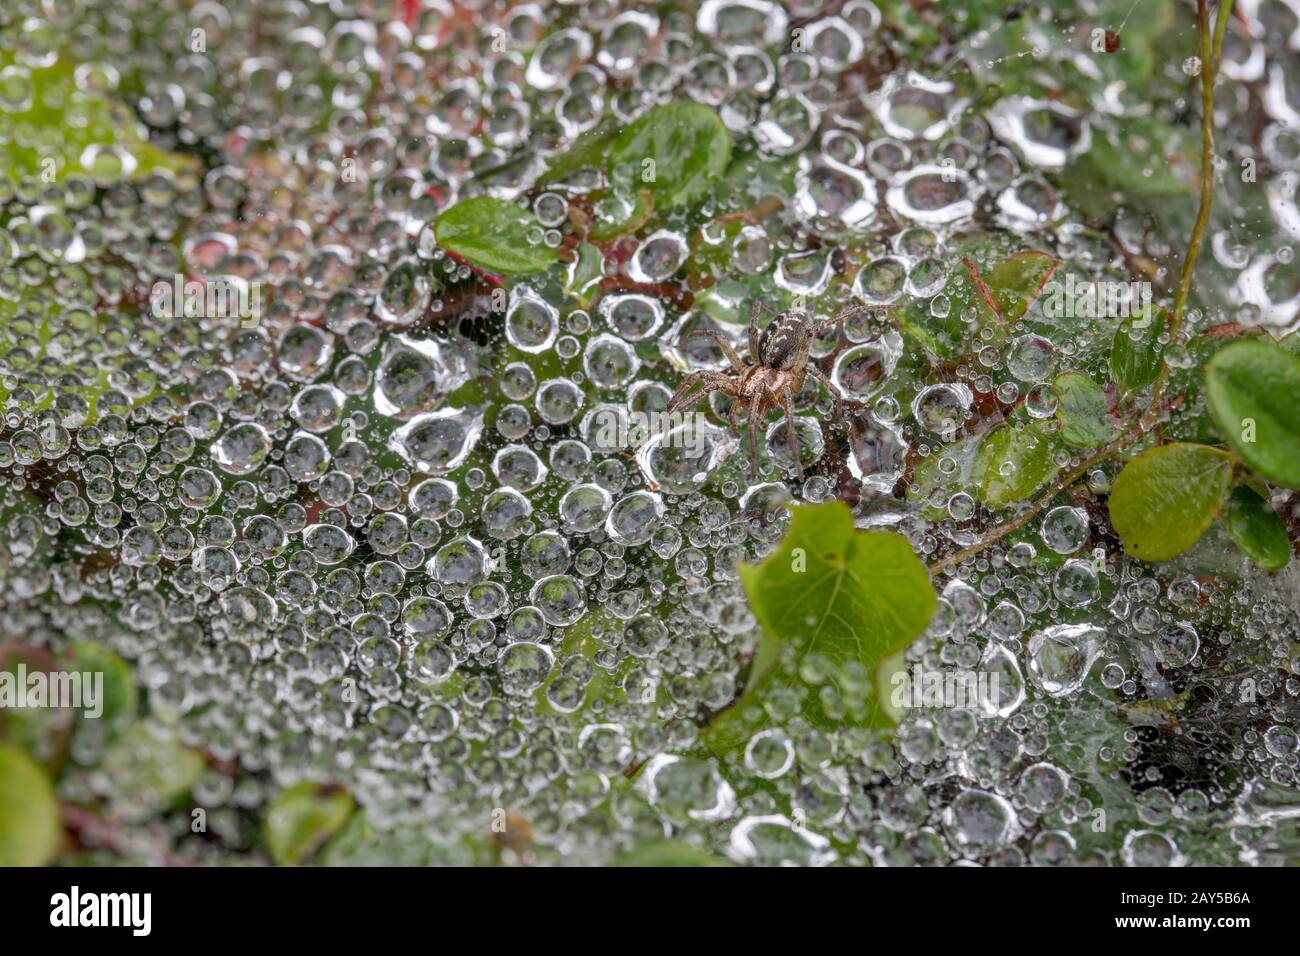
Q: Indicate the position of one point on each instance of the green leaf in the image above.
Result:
(302, 817)
(587, 152)
(1081, 409)
(667, 853)
(676, 151)
(1014, 461)
(1135, 352)
(493, 233)
(833, 603)
(83, 131)
(1017, 281)
(1167, 497)
(119, 684)
(30, 831)
(1258, 530)
(148, 767)
(1253, 390)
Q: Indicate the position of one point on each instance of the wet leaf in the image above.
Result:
(494, 234)
(148, 767)
(1081, 409)
(1014, 461)
(1135, 352)
(587, 152)
(1253, 390)
(1167, 497)
(96, 136)
(676, 151)
(30, 831)
(1258, 530)
(850, 597)
(303, 817)
(1018, 280)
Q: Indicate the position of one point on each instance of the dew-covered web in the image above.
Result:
(397, 534)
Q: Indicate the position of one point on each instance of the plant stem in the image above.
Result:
(1070, 477)
(1211, 52)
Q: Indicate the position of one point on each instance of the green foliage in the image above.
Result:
(1014, 461)
(494, 234)
(587, 152)
(1167, 497)
(1017, 281)
(1135, 352)
(149, 767)
(1253, 389)
(833, 602)
(30, 831)
(676, 151)
(1082, 410)
(1258, 530)
(667, 853)
(91, 133)
(303, 817)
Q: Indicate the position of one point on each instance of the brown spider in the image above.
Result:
(778, 364)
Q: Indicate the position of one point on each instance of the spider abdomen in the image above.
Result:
(778, 346)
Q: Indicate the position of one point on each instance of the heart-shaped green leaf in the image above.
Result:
(1253, 390)
(848, 598)
(494, 234)
(1166, 498)
(676, 151)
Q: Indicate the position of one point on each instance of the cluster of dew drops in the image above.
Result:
(324, 566)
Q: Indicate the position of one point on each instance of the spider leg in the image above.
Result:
(735, 410)
(753, 439)
(679, 399)
(830, 387)
(753, 328)
(788, 404)
(736, 364)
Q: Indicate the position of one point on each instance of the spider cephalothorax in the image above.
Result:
(778, 363)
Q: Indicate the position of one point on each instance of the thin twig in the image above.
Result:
(1070, 477)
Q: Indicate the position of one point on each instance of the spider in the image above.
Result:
(778, 364)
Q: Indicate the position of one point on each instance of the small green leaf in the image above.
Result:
(1081, 409)
(148, 767)
(1253, 390)
(676, 151)
(1167, 497)
(1258, 530)
(30, 831)
(494, 234)
(587, 152)
(1013, 462)
(119, 704)
(301, 818)
(1018, 280)
(849, 597)
(1135, 352)
(667, 853)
